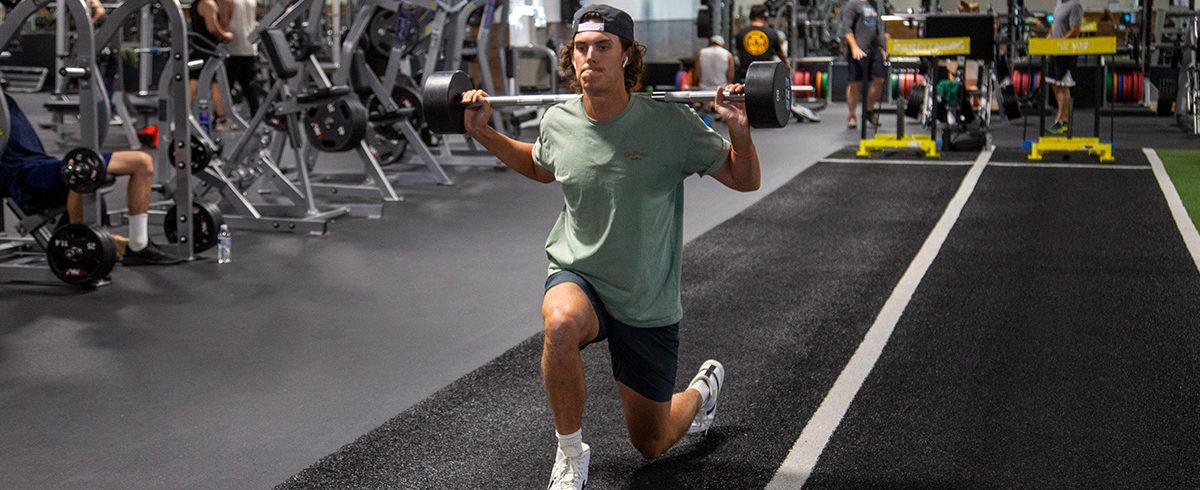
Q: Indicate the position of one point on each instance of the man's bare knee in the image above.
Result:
(563, 329)
(145, 164)
(649, 447)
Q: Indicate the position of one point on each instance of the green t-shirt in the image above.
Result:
(621, 226)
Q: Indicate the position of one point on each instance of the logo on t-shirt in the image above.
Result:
(633, 155)
(755, 42)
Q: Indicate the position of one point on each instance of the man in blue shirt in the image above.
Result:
(31, 177)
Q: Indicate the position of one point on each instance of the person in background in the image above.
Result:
(97, 10)
(758, 42)
(1068, 20)
(205, 23)
(866, 51)
(714, 67)
(239, 16)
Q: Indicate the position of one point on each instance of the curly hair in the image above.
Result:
(634, 71)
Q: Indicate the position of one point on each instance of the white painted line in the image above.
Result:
(1187, 228)
(962, 163)
(799, 464)
(1096, 166)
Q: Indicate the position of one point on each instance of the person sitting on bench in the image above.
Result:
(31, 177)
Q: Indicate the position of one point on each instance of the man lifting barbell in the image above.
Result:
(32, 178)
(616, 249)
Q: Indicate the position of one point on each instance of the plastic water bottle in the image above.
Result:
(224, 244)
(202, 117)
(204, 123)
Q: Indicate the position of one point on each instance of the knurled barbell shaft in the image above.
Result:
(673, 96)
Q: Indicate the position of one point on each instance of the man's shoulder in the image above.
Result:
(562, 111)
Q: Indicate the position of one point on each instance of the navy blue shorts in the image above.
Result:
(37, 184)
(858, 68)
(1060, 70)
(644, 359)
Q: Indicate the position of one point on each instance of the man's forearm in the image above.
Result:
(743, 160)
(850, 40)
(517, 155)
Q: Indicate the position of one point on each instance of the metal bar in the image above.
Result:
(675, 96)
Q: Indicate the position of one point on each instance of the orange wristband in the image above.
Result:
(741, 155)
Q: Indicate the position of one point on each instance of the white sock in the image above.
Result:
(702, 387)
(139, 235)
(571, 444)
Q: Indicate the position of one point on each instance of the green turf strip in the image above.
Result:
(1184, 168)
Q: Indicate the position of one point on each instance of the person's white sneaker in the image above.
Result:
(711, 373)
(570, 473)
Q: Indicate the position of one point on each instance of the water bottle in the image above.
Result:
(224, 244)
(202, 117)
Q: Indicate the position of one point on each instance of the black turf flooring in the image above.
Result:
(784, 292)
(1052, 344)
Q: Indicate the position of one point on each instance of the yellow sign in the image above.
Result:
(1089, 26)
(1073, 47)
(930, 46)
(755, 42)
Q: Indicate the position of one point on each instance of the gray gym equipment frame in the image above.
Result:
(383, 89)
(308, 12)
(298, 214)
(173, 109)
(453, 48)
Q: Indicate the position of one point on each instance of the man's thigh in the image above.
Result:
(127, 162)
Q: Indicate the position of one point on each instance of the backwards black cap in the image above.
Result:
(611, 20)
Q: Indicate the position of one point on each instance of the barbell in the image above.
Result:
(768, 98)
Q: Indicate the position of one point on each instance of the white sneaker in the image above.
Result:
(570, 473)
(711, 373)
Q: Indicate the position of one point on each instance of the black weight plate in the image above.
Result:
(768, 95)
(206, 225)
(442, 101)
(381, 33)
(405, 97)
(338, 125)
(202, 155)
(83, 170)
(1008, 98)
(387, 149)
(81, 254)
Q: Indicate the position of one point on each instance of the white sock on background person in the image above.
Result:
(139, 234)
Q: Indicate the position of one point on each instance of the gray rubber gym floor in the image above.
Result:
(402, 352)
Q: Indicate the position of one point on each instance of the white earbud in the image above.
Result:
(625, 61)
